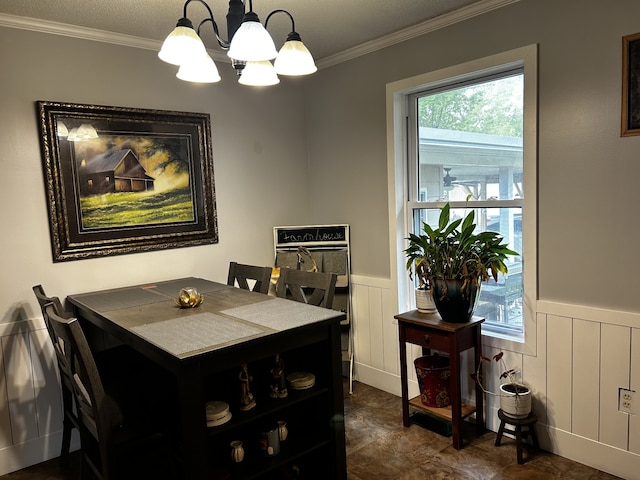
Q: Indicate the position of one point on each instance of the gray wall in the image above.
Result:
(587, 173)
(259, 152)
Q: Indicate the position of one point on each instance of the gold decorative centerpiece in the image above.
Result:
(189, 298)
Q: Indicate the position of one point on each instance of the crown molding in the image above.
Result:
(74, 31)
(418, 30)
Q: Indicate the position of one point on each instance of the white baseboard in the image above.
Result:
(609, 459)
(381, 380)
(23, 455)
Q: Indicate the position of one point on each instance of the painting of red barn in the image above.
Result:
(127, 181)
(122, 180)
(113, 171)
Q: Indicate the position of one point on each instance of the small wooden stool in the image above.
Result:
(518, 423)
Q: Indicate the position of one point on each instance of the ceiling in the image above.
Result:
(327, 27)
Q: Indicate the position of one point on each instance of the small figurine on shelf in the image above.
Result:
(247, 402)
(279, 384)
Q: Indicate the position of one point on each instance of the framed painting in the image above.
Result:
(125, 180)
(630, 85)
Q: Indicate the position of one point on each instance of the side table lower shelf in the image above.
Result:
(436, 419)
(443, 413)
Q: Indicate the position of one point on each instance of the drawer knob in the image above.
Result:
(426, 338)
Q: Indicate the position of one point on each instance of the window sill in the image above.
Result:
(518, 343)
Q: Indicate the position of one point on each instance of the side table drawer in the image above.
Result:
(427, 339)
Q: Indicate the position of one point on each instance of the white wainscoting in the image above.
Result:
(30, 399)
(584, 355)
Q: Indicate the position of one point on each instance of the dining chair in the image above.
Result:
(314, 288)
(70, 419)
(240, 273)
(111, 364)
(119, 435)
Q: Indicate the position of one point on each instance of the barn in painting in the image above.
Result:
(113, 171)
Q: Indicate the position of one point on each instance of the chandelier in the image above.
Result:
(250, 48)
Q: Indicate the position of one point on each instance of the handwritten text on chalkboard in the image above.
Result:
(331, 233)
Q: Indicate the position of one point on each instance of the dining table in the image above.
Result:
(231, 327)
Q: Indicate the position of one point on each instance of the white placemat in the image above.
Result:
(195, 332)
(281, 314)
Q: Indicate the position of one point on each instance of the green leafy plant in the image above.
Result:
(453, 251)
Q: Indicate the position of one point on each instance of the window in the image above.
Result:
(469, 132)
(466, 143)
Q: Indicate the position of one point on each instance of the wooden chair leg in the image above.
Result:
(85, 470)
(67, 427)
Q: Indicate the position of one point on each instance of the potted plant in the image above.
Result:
(454, 260)
(424, 297)
(515, 397)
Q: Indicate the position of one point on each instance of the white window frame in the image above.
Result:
(398, 188)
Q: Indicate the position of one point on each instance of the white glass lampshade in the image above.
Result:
(83, 132)
(294, 59)
(87, 131)
(203, 70)
(73, 135)
(182, 45)
(259, 74)
(252, 42)
(62, 129)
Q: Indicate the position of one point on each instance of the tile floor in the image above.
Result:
(380, 448)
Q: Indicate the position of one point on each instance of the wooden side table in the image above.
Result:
(430, 332)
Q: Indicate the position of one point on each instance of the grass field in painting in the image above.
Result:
(131, 209)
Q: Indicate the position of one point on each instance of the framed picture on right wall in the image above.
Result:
(630, 85)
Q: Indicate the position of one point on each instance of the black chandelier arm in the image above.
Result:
(186, 4)
(221, 41)
(293, 24)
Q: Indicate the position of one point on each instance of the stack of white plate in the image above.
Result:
(217, 413)
(301, 380)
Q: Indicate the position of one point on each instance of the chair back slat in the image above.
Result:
(314, 288)
(240, 274)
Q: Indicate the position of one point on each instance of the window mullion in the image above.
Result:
(514, 203)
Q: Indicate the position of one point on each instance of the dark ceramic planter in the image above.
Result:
(453, 304)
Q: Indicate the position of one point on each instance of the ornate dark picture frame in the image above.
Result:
(630, 85)
(125, 180)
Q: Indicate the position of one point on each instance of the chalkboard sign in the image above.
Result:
(320, 234)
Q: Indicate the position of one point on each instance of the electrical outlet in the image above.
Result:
(626, 401)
